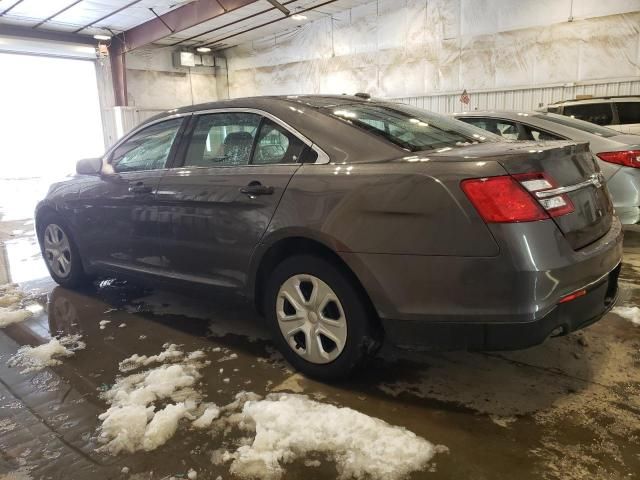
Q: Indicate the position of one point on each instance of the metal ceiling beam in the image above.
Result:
(11, 7)
(57, 13)
(50, 35)
(298, 12)
(110, 14)
(177, 20)
(280, 7)
(240, 20)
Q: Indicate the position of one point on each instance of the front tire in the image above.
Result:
(319, 319)
(60, 253)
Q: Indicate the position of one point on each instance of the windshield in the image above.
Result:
(578, 124)
(411, 128)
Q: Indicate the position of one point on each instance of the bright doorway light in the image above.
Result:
(50, 115)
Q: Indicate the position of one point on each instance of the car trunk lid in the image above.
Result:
(573, 174)
(571, 170)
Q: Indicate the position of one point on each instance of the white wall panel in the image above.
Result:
(406, 48)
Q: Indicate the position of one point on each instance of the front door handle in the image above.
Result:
(139, 188)
(255, 189)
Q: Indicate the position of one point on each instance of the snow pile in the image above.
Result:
(210, 414)
(46, 355)
(146, 408)
(104, 323)
(171, 353)
(10, 305)
(288, 427)
(629, 313)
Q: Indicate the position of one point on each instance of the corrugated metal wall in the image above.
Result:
(522, 98)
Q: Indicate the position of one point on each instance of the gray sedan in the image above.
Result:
(618, 154)
(347, 221)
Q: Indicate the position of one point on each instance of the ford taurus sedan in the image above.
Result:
(347, 221)
(617, 154)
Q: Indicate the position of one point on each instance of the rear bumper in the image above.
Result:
(562, 320)
(507, 301)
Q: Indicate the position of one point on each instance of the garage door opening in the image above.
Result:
(50, 119)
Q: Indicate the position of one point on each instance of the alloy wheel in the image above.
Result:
(311, 318)
(57, 250)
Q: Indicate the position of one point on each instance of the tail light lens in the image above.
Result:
(502, 200)
(628, 158)
(510, 199)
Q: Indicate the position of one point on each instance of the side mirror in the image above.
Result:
(89, 166)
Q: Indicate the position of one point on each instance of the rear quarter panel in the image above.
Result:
(412, 206)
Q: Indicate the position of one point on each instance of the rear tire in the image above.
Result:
(60, 252)
(318, 318)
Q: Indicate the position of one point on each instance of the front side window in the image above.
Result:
(628, 112)
(276, 145)
(222, 140)
(598, 113)
(410, 128)
(148, 149)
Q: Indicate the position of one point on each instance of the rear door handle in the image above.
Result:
(139, 188)
(255, 189)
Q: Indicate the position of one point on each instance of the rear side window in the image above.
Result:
(410, 128)
(539, 135)
(504, 128)
(148, 149)
(628, 112)
(276, 145)
(222, 140)
(598, 113)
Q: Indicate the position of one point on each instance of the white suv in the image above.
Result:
(619, 113)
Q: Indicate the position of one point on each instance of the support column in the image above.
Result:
(118, 72)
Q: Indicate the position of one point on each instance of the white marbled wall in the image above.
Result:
(404, 48)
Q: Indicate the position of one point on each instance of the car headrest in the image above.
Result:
(238, 138)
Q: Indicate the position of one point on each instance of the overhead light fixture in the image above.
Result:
(203, 49)
(102, 37)
(297, 16)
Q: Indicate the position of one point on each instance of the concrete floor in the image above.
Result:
(568, 409)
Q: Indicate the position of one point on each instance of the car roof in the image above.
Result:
(508, 114)
(313, 101)
(617, 98)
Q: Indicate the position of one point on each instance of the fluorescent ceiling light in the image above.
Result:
(102, 37)
(203, 49)
(297, 16)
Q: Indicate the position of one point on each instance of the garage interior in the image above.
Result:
(78, 75)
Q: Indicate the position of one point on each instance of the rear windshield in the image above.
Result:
(411, 128)
(578, 124)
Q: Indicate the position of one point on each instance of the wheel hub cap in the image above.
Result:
(311, 318)
(57, 250)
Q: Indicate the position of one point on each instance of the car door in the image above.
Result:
(215, 208)
(116, 208)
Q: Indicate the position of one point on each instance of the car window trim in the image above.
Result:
(108, 156)
(323, 158)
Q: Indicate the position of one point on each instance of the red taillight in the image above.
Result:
(628, 158)
(573, 296)
(502, 200)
